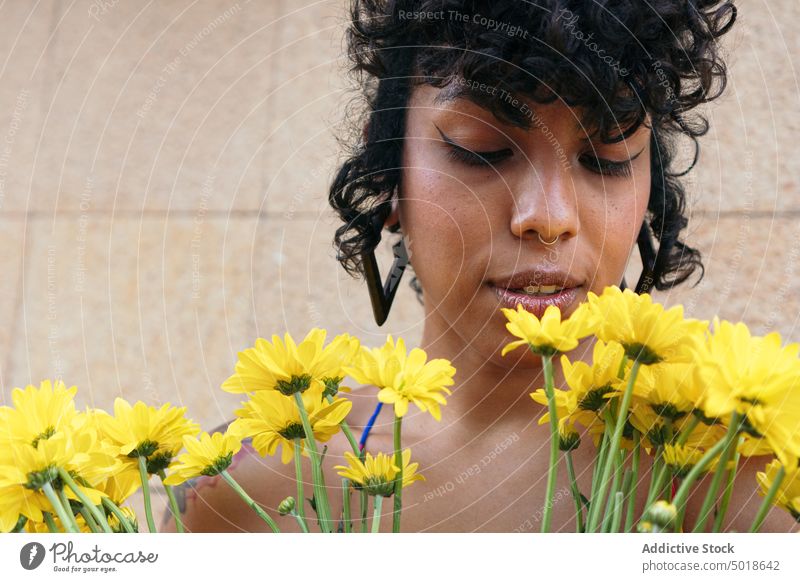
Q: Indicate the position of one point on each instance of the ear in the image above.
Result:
(394, 216)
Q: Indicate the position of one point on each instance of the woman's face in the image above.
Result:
(472, 222)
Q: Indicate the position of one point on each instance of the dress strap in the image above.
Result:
(363, 441)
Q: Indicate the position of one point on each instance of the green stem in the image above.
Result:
(66, 522)
(89, 519)
(621, 369)
(625, 490)
(300, 521)
(62, 495)
(298, 472)
(549, 387)
(766, 505)
(250, 501)
(630, 492)
(683, 491)
(347, 432)
(657, 473)
(364, 504)
(173, 503)
(398, 483)
(376, 515)
(726, 495)
(617, 519)
(576, 492)
(711, 495)
(688, 429)
(320, 493)
(148, 509)
(113, 508)
(596, 509)
(601, 458)
(51, 524)
(607, 516)
(346, 504)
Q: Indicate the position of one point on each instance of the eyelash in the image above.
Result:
(592, 163)
(471, 158)
(607, 167)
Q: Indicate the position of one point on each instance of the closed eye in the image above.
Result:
(472, 158)
(608, 167)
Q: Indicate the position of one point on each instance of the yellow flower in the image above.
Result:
(588, 386)
(659, 408)
(271, 418)
(680, 459)
(404, 378)
(758, 378)
(25, 469)
(41, 526)
(117, 527)
(289, 367)
(121, 485)
(551, 334)
(376, 474)
(207, 455)
(38, 413)
(788, 495)
(145, 431)
(645, 329)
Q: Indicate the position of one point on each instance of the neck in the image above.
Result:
(487, 394)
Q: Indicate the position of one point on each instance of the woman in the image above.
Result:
(521, 149)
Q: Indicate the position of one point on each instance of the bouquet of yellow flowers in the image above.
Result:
(696, 399)
(693, 398)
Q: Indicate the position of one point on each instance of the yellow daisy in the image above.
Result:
(206, 455)
(145, 431)
(681, 458)
(41, 526)
(24, 471)
(757, 377)
(788, 495)
(38, 413)
(551, 334)
(588, 386)
(376, 474)
(129, 514)
(289, 367)
(119, 486)
(403, 378)
(272, 419)
(646, 330)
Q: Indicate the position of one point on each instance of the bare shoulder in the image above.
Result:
(208, 504)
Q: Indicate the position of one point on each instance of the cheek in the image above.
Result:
(614, 229)
(446, 227)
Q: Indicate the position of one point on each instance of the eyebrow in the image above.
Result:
(510, 115)
(490, 101)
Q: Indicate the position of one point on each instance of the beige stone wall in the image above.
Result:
(163, 178)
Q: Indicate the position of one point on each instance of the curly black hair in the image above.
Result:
(661, 59)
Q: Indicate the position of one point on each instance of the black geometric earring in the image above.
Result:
(648, 253)
(382, 294)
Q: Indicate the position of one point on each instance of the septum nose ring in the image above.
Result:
(544, 242)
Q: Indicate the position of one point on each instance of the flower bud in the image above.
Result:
(662, 514)
(286, 506)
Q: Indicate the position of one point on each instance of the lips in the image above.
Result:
(566, 300)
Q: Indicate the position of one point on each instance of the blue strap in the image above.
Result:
(367, 428)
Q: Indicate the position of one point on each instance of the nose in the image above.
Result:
(545, 204)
